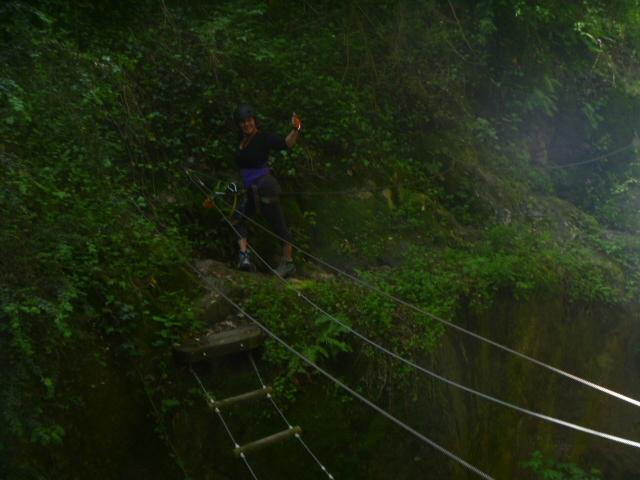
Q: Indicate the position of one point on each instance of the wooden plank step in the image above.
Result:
(219, 344)
(263, 392)
(263, 442)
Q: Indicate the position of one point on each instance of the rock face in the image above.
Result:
(594, 343)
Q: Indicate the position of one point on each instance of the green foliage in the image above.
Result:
(619, 210)
(85, 265)
(103, 105)
(549, 469)
(323, 340)
(317, 337)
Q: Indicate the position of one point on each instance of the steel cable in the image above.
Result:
(342, 385)
(345, 387)
(297, 435)
(594, 159)
(422, 369)
(379, 409)
(210, 397)
(448, 323)
(210, 400)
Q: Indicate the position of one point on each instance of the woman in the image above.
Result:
(262, 188)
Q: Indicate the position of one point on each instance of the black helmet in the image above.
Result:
(243, 112)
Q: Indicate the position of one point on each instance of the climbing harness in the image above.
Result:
(231, 189)
(222, 189)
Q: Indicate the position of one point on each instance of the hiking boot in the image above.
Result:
(286, 268)
(244, 263)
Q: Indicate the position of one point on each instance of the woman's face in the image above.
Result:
(248, 125)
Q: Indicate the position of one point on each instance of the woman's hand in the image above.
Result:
(296, 122)
(292, 138)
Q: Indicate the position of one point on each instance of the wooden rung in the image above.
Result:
(241, 398)
(219, 344)
(263, 442)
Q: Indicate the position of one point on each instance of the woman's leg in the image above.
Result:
(269, 190)
(247, 209)
(275, 217)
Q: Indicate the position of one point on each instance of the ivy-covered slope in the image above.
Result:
(447, 118)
